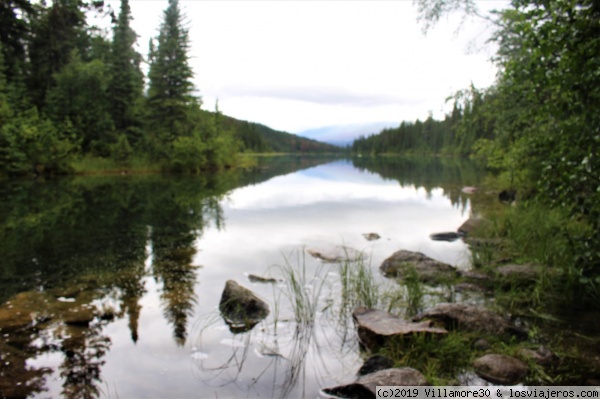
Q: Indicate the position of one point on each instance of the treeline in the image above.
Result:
(69, 90)
(538, 126)
(424, 137)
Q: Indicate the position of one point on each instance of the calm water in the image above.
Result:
(110, 286)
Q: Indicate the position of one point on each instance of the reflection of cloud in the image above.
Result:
(318, 95)
(283, 192)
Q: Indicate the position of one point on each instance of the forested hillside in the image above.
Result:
(255, 137)
(72, 93)
(454, 135)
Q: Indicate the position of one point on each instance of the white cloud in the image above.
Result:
(306, 64)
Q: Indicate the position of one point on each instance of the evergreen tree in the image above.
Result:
(55, 34)
(126, 78)
(13, 35)
(170, 91)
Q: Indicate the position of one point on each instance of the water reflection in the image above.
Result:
(102, 277)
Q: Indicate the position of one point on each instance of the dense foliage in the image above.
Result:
(72, 93)
(538, 126)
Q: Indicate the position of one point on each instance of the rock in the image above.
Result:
(469, 287)
(474, 242)
(475, 277)
(448, 236)
(403, 263)
(518, 273)
(474, 281)
(24, 310)
(337, 254)
(375, 326)
(469, 225)
(507, 196)
(79, 316)
(543, 356)
(258, 279)
(469, 190)
(365, 386)
(371, 236)
(500, 369)
(481, 344)
(469, 317)
(376, 363)
(240, 308)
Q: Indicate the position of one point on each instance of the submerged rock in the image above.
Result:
(449, 236)
(336, 254)
(469, 317)
(240, 308)
(258, 279)
(79, 316)
(23, 310)
(366, 386)
(375, 326)
(500, 369)
(403, 263)
(371, 236)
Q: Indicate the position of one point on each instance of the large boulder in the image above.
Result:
(469, 225)
(365, 386)
(500, 369)
(403, 264)
(240, 308)
(469, 317)
(376, 326)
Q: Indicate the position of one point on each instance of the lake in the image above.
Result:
(110, 285)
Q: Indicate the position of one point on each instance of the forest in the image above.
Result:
(72, 94)
(537, 128)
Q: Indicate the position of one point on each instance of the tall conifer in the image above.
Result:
(126, 78)
(170, 75)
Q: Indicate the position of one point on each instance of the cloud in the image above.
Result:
(317, 95)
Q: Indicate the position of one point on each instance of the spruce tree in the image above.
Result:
(126, 78)
(170, 91)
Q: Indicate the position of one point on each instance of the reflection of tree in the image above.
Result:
(177, 221)
(132, 288)
(429, 173)
(173, 267)
(17, 379)
(83, 352)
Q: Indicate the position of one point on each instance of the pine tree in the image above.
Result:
(170, 91)
(126, 78)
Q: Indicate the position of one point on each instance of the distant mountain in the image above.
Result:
(260, 138)
(343, 135)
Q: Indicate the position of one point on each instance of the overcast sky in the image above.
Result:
(298, 65)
